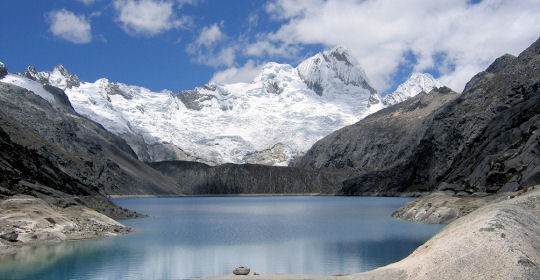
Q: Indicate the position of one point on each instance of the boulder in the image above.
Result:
(10, 236)
(241, 270)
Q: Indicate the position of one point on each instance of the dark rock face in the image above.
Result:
(25, 171)
(3, 70)
(381, 141)
(199, 178)
(74, 156)
(485, 140)
(193, 99)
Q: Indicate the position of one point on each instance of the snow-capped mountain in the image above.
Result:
(417, 83)
(270, 120)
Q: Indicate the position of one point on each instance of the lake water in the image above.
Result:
(186, 238)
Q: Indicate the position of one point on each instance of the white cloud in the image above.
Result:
(381, 32)
(88, 2)
(243, 74)
(210, 48)
(268, 48)
(210, 35)
(69, 26)
(147, 17)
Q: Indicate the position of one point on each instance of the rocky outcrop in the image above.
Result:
(199, 178)
(272, 156)
(3, 70)
(445, 207)
(485, 140)
(28, 220)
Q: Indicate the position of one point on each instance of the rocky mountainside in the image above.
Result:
(381, 141)
(42, 121)
(199, 178)
(271, 120)
(485, 140)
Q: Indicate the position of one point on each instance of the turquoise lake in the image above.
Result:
(193, 237)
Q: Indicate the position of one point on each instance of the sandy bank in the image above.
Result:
(30, 220)
(500, 240)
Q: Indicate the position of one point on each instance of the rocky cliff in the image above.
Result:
(198, 178)
(485, 140)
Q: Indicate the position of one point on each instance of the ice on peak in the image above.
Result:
(343, 54)
(417, 83)
(334, 69)
(272, 70)
(60, 77)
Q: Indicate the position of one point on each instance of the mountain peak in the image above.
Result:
(417, 83)
(33, 74)
(334, 69)
(62, 78)
(59, 77)
(342, 54)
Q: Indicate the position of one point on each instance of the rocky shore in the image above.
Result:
(445, 207)
(499, 240)
(30, 220)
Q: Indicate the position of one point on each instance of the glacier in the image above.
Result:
(270, 120)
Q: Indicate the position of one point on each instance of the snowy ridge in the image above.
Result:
(31, 85)
(417, 83)
(271, 120)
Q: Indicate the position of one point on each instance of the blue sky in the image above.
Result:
(180, 44)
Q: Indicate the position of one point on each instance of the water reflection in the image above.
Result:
(195, 237)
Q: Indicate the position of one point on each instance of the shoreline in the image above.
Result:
(411, 195)
(217, 195)
(52, 234)
(27, 220)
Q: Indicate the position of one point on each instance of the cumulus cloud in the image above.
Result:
(147, 17)
(268, 48)
(233, 74)
(69, 26)
(210, 35)
(455, 38)
(210, 48)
